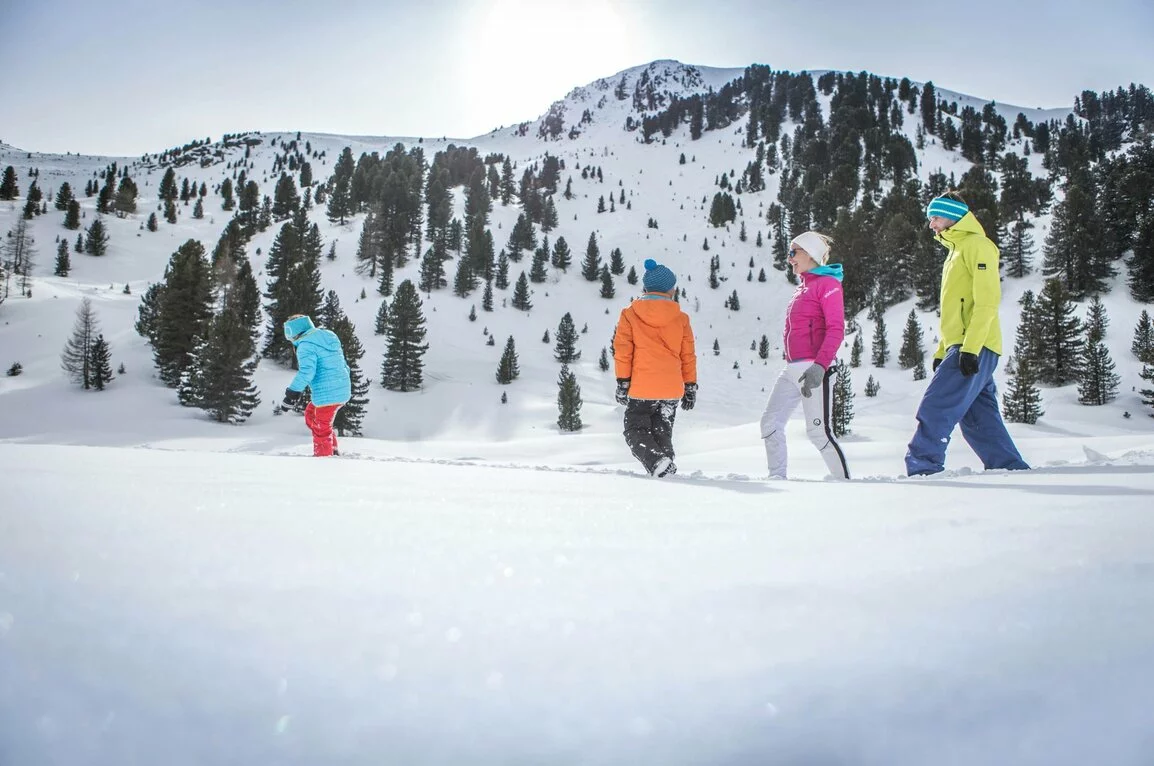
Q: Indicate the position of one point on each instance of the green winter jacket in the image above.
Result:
(971, 290)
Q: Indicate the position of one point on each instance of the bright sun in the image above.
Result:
(527, 53)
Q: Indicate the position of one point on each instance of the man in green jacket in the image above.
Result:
(962, 390)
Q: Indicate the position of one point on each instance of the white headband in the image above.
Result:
(812, 243)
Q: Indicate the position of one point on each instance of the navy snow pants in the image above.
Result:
(953, 399)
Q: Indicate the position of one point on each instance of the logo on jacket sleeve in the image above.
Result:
(981, 267)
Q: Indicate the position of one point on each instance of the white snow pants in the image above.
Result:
(782, 402)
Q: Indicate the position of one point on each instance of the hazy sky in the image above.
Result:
(129, 76)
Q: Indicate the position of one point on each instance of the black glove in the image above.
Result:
(937, 363)
(291, 398)
(690, 397)
(968, 363)
(622, 394)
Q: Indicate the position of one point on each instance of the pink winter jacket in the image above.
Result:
(815, 318)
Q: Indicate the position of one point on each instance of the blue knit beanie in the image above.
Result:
(946, 208)
(658, 278)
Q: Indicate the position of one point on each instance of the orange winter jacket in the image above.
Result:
(653, 347)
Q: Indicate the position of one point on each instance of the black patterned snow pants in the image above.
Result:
(649, 429)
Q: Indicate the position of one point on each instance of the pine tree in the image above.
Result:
(96, 243)
(465, 281)
(124, 203)
(1027, 342)
(521, 300)
(763, 348)
(537, 271)
(340, 199)
(72, 216)
(607, 289)
(1141, 266)
(566, 349)
(856, 350)
(198, 209)
(63, 196)
(226, 199)
(146, 315)
(501, 278)
(294, 285)
(912, 352)
(9, 190)
(1147, 394)
(507, 369)
(100, 364)
(404, 355)
(1098, 383)
(603, 361)
(220, 379)
(1143, 345)
(562, 257)
(1022, 402)
(76, 360)
(152, 224)
(872, 387)
(382, 324)
(616, 261)
(183, 311)
(286, 200)
(1059, 335)
(1018, 251)
(168, 190)
(842, 414)
(1074, 250)
(568, 401)
(591, 266)
(63, 262)
(1096, 320)
(487, 296)
(631, 277)
(432, 276)
(881, 345)
(549, 216)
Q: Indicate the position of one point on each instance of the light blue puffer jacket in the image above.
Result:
(320, 362)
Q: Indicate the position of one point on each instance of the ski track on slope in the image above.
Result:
(1134, 461)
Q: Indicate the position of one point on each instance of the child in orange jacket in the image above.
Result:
(656, 366)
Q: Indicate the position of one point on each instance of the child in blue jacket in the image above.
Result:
(321, 366)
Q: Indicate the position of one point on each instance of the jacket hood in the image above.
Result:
(656, 310)
(325, 339)
(965, 226)
(829, 270)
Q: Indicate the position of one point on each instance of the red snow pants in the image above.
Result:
(320, 422)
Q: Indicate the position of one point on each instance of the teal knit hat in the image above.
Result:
(658, 278)
(947, 208)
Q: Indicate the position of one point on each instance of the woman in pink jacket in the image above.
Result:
(814, 329)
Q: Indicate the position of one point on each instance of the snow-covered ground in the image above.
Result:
(469, 585)
(187, 606)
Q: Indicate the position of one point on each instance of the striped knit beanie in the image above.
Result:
(658, 278)
(946, 208)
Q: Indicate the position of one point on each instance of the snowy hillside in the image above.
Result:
(468, 584)
(460, 397)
